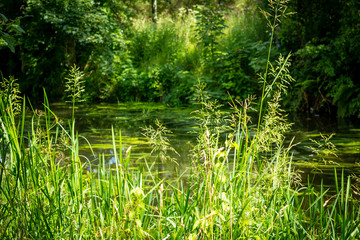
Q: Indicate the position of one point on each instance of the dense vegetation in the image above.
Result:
(240, 187)
(324, 36)
(158, 50)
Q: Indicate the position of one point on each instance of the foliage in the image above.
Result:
(325, 42)
(156, 44)
(232, 191)
(9, 30)
(144, 61)
(126, 57)
(60, 34)
(210, 24)
(151, 68)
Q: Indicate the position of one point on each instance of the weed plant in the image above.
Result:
(242, 188)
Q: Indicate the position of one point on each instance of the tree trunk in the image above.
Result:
(154, 11)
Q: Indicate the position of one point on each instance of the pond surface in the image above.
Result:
(95, 124)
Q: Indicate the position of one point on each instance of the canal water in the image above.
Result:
(309, 134)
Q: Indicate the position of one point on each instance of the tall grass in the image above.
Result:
(241, 188)
(159, 44)
(49, 191)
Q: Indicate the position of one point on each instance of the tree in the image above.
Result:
(60, 34)
(325, 36)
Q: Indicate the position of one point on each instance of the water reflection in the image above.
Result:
(95, 123)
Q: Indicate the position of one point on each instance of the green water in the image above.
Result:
(346, 139)
(95, 123)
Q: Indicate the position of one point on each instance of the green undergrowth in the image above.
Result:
(162, 62)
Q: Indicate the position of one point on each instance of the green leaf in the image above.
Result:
(9, 40)
(17, 28)
(3, 17)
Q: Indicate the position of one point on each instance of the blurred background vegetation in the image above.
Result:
(157, 50)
